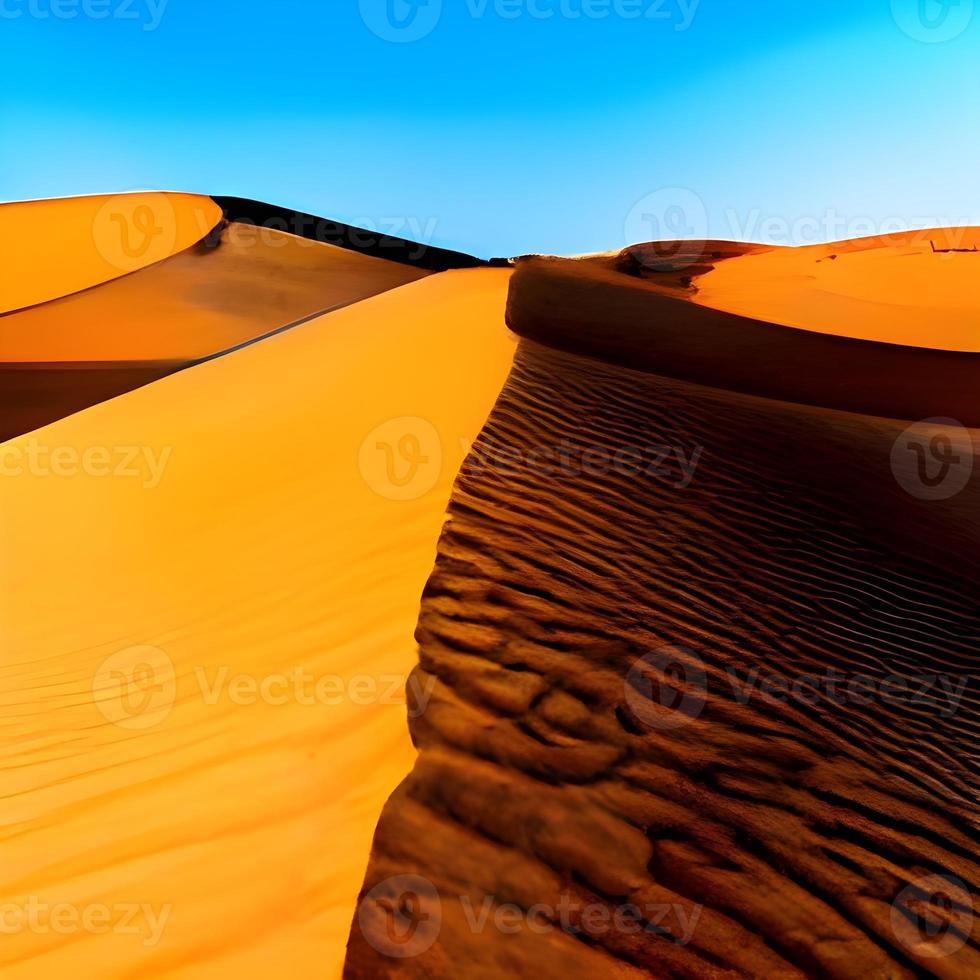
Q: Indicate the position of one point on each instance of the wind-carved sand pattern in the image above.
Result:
(611, 780)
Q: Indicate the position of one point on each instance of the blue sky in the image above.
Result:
(507, 126)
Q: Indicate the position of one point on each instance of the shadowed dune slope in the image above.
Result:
(56, 247)
(70, 353)
(703, 664)
(252, 535)
(645, 308)
(615, 777)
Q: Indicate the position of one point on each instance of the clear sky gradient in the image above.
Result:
(508, 126)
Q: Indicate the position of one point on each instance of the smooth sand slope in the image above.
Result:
(268, 544)
(58, 357)
(56, 247)
(914, 288)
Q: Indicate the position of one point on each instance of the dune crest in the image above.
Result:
(53, 248)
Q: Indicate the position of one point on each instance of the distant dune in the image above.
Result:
(239, 283)
(53, 248)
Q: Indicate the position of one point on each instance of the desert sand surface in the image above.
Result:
(69, 353)
(202, 301)
(267, 515)
(643, 308)
(610, 779)
(917, 288)
(55, 247)
(694, 656)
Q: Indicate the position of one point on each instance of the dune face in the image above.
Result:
(240, 284)
(641, 309)
(53, 248)
(917, 288)
(703, 664)
(208, 626)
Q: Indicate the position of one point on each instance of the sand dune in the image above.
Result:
(63, 355)
(916, 288)
(641, 310)
(254, 532)
(211, 582)
(694, 656)
(57, 247)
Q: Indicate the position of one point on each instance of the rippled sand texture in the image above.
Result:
(268, 545)
(594, 743)
(52, 248)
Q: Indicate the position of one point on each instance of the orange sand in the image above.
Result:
(270, 543)
(53, 248)
(199, 302)
(893, 288)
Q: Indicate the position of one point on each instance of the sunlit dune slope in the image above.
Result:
(56, 247)
(202, 301)
(917, 288)
(249, 529)
(62, 356)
